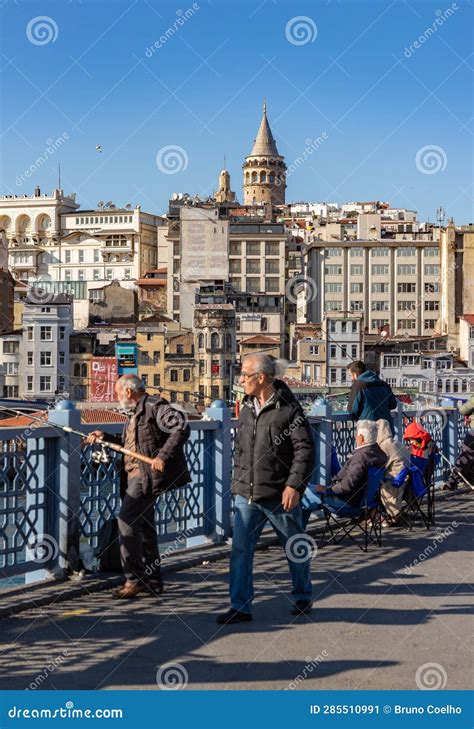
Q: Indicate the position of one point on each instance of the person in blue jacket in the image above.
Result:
(370, 397)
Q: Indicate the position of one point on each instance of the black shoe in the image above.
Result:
(233, 616)
(302, 607)
(155, 587)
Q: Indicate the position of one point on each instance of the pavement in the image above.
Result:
(393, 618)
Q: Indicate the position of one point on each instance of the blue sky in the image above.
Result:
(351, 74)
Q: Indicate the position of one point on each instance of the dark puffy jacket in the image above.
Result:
(160, 430)
(371, 398)
(274, 449)
(351, 480)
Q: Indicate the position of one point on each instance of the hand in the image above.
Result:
(158, 464)
(290, 498)
(94, 437)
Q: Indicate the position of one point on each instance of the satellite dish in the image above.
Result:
(175, 196)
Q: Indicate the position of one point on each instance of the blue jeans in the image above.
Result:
(249, 522)
(335, 502)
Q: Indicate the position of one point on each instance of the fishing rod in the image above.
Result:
(456, 470)
(99, 456)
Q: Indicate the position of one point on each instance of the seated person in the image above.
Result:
(398, 457)
(422, 446)
(347, 488)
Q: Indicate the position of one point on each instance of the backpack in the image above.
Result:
(108, 547)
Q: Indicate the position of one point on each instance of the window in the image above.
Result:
(380, 306)
(406, 288)
(67, 257)
(96, 274)
(471, 332)
(156, 380)
(11, 347)
(29, 383)
(343, 376)
(109, 274)
(333, 351)
(333, 270)
(354, 351)
(357, 251)
(175, 303)
(379, 270)
(253, 248)
(343, 327)
(180, 349)
(406, 305)
(80, 275)
(333, 306)
(263, 326)
(81, 257)
(145, 380)
(272, 248)
(392, 381)
(272, 266)
(253, 285)
(391, 361)
(344, 351)
(332, 327)
(314, 349)
(62, 332)
(431, 252)
(235, 265)
(84, 369)
(333, 374)
(186, 375)
(215, 344)
(173, 375)
(12, 368)
(68, 275)
(202, 366)
(432, 287)
(45, 359)
(127, 274)
(235, 248)
(333, 288)
(355, 327)
(402, 252)
(144, 358)
(333, 252)
(272, 285)
(45, 383)
(176, 265)
(357, 305)
(406, 323)
(431, 305)
(430, 324)
(379, 323)
(96, 255)
(357, 288)
(215, 367)
(431, 270)
(253, 266)
(380, 251)
(116, 241)
(357, 270)
(46, 334)
(406, 269)
(380, 288)
(29, 359)
(96, 295)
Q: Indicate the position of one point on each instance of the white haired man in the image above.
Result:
(157, 430)
(350, 483)
(273, 462)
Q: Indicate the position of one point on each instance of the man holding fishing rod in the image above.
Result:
(157, 431)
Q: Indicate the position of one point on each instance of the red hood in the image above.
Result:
(414, 430)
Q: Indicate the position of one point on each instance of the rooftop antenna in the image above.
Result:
(224, 163)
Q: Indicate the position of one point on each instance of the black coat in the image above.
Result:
(274, 449)
(160, 430)
(351, 481)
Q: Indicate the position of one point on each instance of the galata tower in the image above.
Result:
(264, 170)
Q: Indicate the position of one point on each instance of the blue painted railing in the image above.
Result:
(54, 498)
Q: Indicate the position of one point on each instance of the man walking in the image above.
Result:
(157, 430)
(370, 397)
(273, 462)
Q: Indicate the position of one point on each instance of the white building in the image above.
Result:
(466, 339)
(343, 337)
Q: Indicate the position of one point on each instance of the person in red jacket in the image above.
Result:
(419, 439)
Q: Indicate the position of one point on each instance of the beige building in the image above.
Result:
(214, 327)
(457, 278)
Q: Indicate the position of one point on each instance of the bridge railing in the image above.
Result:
(54, 497)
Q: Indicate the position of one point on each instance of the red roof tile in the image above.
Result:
(259, 339)
(469, 318)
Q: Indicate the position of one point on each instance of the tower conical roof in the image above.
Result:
(264, 144)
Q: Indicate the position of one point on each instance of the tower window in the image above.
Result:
(263, 176)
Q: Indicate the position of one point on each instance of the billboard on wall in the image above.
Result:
(104, 376)
(204, 245)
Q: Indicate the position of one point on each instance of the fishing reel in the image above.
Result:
(100, 456)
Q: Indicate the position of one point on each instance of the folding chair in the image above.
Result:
(342, 521)
(421, 490)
